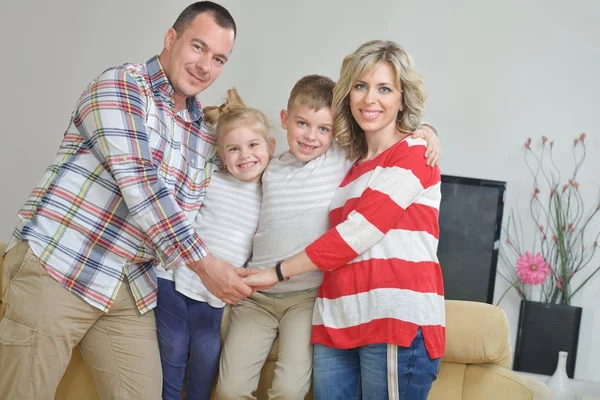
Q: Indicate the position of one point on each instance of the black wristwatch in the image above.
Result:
(278, 271)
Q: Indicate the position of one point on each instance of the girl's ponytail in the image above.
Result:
(212, 114)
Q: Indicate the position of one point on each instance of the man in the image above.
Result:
(129, 175)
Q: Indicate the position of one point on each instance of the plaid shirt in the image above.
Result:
(128, 177)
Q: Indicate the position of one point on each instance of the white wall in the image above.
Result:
(496, 72)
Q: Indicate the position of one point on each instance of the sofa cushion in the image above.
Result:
(493, 382)
(449, 383)
(476, 333)
(2, 248)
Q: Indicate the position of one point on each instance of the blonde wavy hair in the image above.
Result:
(349, 135)
(234, 113)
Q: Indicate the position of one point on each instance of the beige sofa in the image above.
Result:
(475, 366)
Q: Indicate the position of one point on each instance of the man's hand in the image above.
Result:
(434, 149)
(223, 279)
(265, 279)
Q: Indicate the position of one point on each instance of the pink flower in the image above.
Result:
(582, 137)
(532, 270)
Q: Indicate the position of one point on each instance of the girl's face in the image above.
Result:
(375, 99)
(245, 153)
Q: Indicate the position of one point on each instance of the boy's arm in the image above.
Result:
(428, 132)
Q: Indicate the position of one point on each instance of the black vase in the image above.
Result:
(544, 330)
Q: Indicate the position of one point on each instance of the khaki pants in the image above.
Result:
(43, 322)
(255, 323)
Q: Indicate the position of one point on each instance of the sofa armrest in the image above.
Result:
(539, 388)
(494, 382)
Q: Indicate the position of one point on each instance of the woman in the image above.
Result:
(378, 323)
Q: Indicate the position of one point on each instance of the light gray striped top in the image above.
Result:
(226, 223)
(295, 211)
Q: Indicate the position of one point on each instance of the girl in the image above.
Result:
(188, 316)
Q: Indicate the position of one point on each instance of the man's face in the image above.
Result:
(195, 59)
(309, 132)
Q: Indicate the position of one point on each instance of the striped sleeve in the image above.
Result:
(111, 118)
(397, 185)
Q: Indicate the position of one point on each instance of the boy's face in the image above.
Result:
(309, 132)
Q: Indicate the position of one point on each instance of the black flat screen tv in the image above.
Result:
(470, 223)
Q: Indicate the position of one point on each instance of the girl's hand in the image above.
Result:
(433, 153)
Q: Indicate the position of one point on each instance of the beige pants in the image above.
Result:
(255, 323)
(43, 322)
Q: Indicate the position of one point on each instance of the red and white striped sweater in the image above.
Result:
(382, 279)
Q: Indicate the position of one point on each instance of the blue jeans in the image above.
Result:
(188, 336)
(362, 372)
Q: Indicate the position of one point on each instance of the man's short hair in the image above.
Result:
(220, 14)
(314, 91)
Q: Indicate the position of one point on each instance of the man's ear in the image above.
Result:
(284, 118)
(272, 143)
(170, 38)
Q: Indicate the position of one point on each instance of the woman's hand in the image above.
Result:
(433, 153)
(264, 279)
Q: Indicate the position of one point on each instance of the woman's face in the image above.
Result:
(375, 99)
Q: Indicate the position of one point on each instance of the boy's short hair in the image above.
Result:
(314, 91)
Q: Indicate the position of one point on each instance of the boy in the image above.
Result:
(298, 186)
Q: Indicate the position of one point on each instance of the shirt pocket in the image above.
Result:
(158, 138)
(193, 162)
(190, 185)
